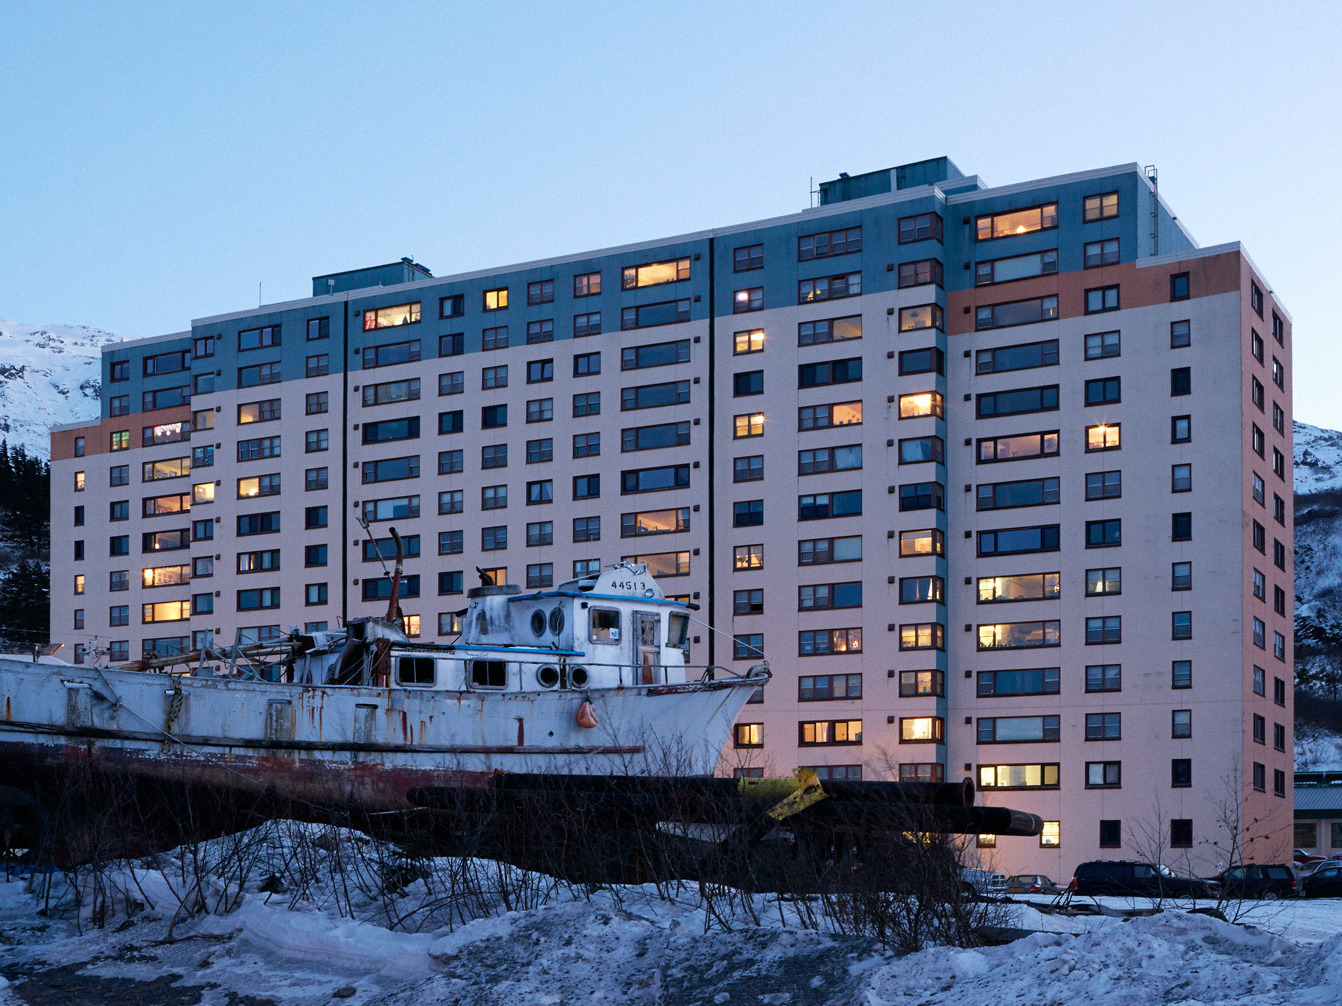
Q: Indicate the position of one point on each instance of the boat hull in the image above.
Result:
(188, 757)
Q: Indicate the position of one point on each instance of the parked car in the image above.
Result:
(1303, 858)
(985, 883)
(1267, 881)
(1325, 882)
(1031, 883)
(1152, 880)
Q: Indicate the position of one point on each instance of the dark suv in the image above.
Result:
(1148, 880)
(1270, 881)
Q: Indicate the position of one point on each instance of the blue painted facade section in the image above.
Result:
(878, 263)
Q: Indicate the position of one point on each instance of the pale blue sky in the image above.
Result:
(161, 159)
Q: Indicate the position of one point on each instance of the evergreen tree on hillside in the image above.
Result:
(25, 500)
(24, 603)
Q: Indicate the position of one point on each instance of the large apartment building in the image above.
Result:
(995, 477)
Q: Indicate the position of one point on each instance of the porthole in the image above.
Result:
(538, 623)
(556, 621)
(577, 677)
(547, 676)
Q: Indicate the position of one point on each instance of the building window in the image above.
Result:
(922, 636)
(747, 258)
(1256, 298)
(1104, 533)
(1103, 485)
(587, 404)
(1181, 723)
(745, 557)
(1030, 681)
(1004, 270)
(540, 410)
(748, 342)
(921, 730)
(668, 312)
(1018, 401)
(1101, 253)
(586, 364)
(1104, 726)
(1181, 833)
(1101, 207)
(922, 227)
(585, 445)
(1181, 576)
(922, 317)
(1181, 381)
(1024, 356)
(586, 324)
(748, 425)
(1031, 776)
(1181, 527)
(1181, 478)
(586, 529)
(1104, 775)
(1103, 391)
(1017, 729)
(1010, 224)
(750, 299)
(748, 513)
(1104, 629)
(1180, 334)
(810, 291)
(1179, 286)
(748, 469)
(927, 271)
(1019, 312)
(1101, 299)
(586, 486)
(540, 331)
(1104, 678)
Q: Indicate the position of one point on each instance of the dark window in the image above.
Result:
(451, 345)
(1018, 312)
(1103, 391)
(1100, 299)
(920, 273)
(1181, 526)
(1179, 286)
(1104, 485)
(1181, 381)
(541, 292)
(651, 315)
(749, 383)
(1100, 253)
(1181, 773)
(1110, 830)
(1181, 833)
(493, 416)
(1021, 357)
(1018, 401)
(1019, 540)
(1104, 533)
(813, 375)
(748, 513)
(922, 361)
(923, 227)
(748, 257)
(586, 364)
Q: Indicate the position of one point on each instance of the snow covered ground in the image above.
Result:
(639, 946)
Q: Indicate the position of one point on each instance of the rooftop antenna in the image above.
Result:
(258, 295)
(1153, 177)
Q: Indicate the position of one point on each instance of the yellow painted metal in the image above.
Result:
(808, 791)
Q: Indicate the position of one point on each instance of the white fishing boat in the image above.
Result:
(588, 678)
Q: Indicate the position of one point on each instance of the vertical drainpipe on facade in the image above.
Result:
(712, 440)
(344, 459)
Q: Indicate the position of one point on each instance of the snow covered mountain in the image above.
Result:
(49, 374)
(1318, 521)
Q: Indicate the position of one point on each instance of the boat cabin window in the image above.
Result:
(557, 621)
(605, 625)
(677, 629)
(538, 623)
(414, 671)
(489, 673)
